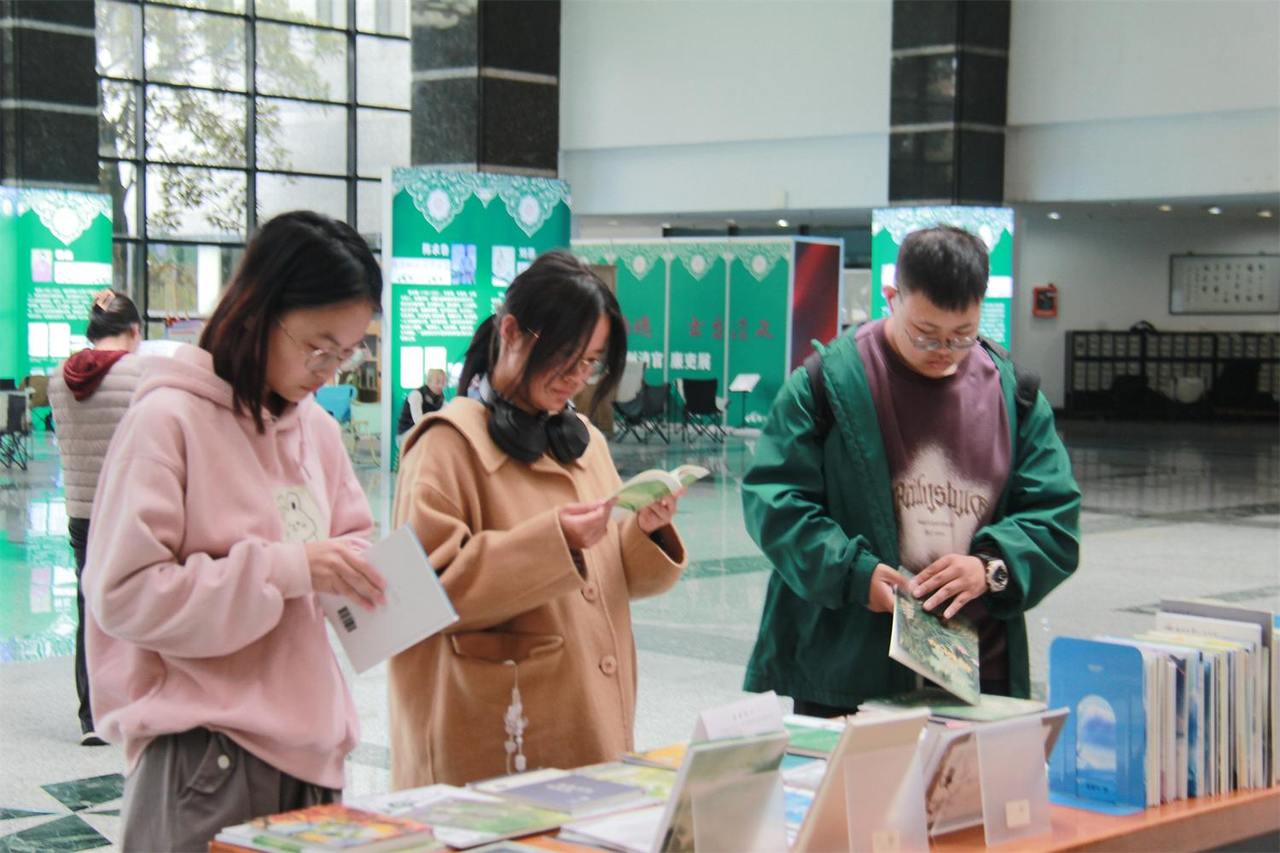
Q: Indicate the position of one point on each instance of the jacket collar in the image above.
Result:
(471, 419)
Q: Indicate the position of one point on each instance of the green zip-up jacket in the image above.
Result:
(822, 512)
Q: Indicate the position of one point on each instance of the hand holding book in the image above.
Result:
(959, 578)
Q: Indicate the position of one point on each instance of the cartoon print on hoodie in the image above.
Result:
(299, 514)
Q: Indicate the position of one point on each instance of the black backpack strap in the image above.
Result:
(1026, 382)
(822, 415)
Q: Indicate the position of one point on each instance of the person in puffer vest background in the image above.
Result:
(89, 396)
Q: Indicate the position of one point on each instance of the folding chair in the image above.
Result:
(14, 447)
(701, 411)
(365, 428)
(643, 416)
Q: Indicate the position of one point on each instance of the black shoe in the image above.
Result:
(90, 738)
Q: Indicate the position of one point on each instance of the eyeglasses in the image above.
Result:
(326, 360)
(594, 368)
(930, 344)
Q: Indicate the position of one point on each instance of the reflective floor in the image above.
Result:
(1170, 510)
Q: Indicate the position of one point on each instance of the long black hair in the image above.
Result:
(560, 299)
(117, 317)
(296, 260)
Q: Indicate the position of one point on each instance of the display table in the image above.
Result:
(1197, 824)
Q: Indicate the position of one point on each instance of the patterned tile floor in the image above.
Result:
(1169, 510)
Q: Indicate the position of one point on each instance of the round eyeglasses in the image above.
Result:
(322, 360)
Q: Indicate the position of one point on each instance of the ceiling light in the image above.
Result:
(1165, 208)
(1214, 211)
(782, 223)
(1055, 215)
(1265, 214)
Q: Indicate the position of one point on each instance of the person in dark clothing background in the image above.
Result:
(422, 401)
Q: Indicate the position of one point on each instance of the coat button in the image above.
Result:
(223, 762)
(608, 664)
(590, 592)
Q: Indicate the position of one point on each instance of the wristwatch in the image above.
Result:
(997, 573)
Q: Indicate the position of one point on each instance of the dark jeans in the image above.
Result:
(78, 532)
(187, 787)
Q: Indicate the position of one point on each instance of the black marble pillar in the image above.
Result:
(948, 100)
(486, 85)
(48, 94)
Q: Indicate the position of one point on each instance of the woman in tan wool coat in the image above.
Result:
(510, 495)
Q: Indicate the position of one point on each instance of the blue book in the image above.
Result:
(1100, 761)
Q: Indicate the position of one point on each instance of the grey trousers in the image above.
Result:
(187, 787)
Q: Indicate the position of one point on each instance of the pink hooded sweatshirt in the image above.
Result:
(200, 610)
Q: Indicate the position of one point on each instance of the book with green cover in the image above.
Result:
(462, 818)
(943, 651)
(940, 703)
(653, 485)
(656, 782)
(812, 736)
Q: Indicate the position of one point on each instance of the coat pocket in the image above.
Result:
(217, 761)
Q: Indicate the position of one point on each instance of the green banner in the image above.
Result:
(696, 342)
(759, 285)
(454, 241)
(55, 253)
(993, 225)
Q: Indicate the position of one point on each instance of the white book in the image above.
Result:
(416, 607)
(627, 832)
(1250, 686)
(1269, 681)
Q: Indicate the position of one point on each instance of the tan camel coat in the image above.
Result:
(490, 526)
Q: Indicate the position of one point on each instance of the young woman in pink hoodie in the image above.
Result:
(227, 501)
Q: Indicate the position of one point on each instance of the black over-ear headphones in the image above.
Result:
(525, 437)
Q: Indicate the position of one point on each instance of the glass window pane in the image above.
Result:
(299, 137)
(326, 13)
(195, 49)
(382, 72)
(281, 193)
(235, 6)
(191, 126)
(383, 16)
(117, 119)
(120, 181)
(200, 204)
(369, 204)
(124, 268)
(186, 279)
(301, 63)
(118, 27)
(382, 140)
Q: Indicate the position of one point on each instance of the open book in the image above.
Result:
(654, 485)
(416, 607)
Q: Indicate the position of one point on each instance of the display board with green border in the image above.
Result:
(452, 243)
(55, 253)
(992, 225)
(726, 307)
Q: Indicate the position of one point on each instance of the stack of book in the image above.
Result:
(1188, 708)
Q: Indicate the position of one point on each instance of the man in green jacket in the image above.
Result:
(921, 458)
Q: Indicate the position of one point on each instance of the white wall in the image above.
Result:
(1142, 99)
(720, 106)
(1112, 274)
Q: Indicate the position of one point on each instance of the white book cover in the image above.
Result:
(1250, 688)
(626, 832)
(1269, 702)
(416, 607)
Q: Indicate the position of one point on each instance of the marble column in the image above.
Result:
(486, 85)
(48, 94)
(948, 101)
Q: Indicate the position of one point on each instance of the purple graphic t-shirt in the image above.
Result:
(947, 442)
